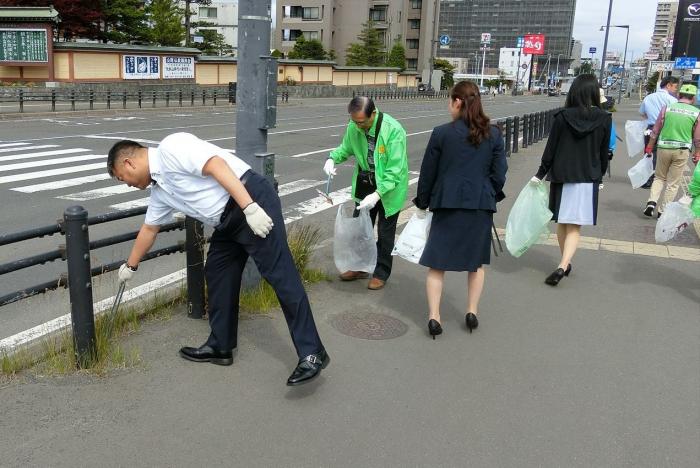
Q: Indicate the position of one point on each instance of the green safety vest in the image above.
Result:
(679, 121)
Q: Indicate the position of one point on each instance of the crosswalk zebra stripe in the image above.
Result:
(51, 162)
(59, 184)
(8, 150)
(52, 172)
(5, 145)
(40, 154)
(99, 193)
(138, 203)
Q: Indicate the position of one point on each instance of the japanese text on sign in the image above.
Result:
(141, 67)
(24, 45)
(178, 67)
(534, 44)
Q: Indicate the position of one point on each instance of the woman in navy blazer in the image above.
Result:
(461, 179)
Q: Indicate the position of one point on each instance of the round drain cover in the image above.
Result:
(368, 325)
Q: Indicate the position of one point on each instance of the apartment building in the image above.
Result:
(664, 25)
(337, 23)
(223, 14)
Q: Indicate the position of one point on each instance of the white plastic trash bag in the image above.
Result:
(674, 220)
(412, 240)
(528, 219)
(640, 172)
(354, 247)
(634, 137)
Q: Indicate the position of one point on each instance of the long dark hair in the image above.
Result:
(471, 111)
(584, 93)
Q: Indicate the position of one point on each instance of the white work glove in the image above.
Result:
(369, 201)
(535, 180)
(125, 273)
(258, 220)
(329, 167)
(601, 186)
(421, 214)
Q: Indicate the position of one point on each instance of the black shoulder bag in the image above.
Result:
(366, 183)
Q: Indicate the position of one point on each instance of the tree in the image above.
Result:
(277, 54)
(397, 55)
(448, 71)
(652, 82)
(585, 68)
(166, 23)
(369, 51)
(124, 21)
(188, 13)
(214, 42)
(309, 50)
(78, 18)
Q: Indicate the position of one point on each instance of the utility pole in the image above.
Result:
(433, 43)
(605, 47)
(483, 64)
(624, 64)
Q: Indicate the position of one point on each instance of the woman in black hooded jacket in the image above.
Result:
(574, 161)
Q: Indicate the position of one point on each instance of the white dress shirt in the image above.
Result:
(176, 168)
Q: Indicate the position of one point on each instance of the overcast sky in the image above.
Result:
(592, 14)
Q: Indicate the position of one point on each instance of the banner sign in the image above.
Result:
(686, 37)
(685, 63)
(141, 67)
(178, 67)
(534, 44)
(486, 38)
(23, 45)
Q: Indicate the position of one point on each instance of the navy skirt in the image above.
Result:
(459, 240)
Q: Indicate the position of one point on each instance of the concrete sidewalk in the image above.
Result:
(601, 371)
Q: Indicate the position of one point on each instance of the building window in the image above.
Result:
(311, 13)
(309, 35)
(207, 12)
(377, 14)
(412, 64)
(416, 4)
(414, 23)
(411, 43)
(291, 34)
(292, 11)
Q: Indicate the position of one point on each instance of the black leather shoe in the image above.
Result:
(568, 270)
(555, 277)
(309, 368)
(206, 353)
(471, 321)
(434, 328)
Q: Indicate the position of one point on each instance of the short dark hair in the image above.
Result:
(669, 79)
(120, 149)
(584, 92)
(361, 103)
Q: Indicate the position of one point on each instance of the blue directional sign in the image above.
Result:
(592, 50)
(445, 39)
(520, 43)
(685, 63)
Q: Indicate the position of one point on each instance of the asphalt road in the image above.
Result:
(50, 163)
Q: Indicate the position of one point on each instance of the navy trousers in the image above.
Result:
(231, 244)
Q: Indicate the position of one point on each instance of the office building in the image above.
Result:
(465, 20)
(337, 23)
(664, 25)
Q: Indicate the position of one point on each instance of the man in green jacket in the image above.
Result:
(380, 181)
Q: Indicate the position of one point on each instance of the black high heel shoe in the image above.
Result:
(434, 328)
(556, 276)
(472, 321)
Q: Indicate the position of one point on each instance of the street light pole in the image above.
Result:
(624, 63)
(556, 80)
(605, 45)
(483, 64)
(433, 44)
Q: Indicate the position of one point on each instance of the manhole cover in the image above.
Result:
(368, 325)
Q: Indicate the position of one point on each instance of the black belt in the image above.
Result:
(231, 204)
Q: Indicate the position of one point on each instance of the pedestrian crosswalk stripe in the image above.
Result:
(40, 154)
(51, 162)
(138, 203)
(59, 184)
(99, 193)
(52, 172)
(5, 145)
(9, 150)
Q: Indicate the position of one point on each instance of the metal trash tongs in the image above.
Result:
(326, 195)
(115, 306)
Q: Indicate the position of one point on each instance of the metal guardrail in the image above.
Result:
(78, 278)
(378, 94)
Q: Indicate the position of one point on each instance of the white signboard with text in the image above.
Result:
(141, 67)
(178, 67)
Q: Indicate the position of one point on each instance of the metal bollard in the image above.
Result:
(192, 98)
(204, 97)
(153, 96)
(123, 99)
(140, 97)
(91, 99)
(53, 100)
(109, 99)
(509, 135)
(72, 99)
(214, 96)
(194, 249)
(80, 285)
(525, 132)
(21, 100)
(536, 127)
(167, 99)
(531, 129)
(180, 97)
(516, 133)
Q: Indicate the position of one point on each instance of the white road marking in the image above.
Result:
(41, 154)
(5, 145)
(138, 203)
(51, 172)
(9, 150)
(51, 162)
(312, 152)
(138, 140)
(99, 193)
(59, 184)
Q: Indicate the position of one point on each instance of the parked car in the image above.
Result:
(552, 92)
(483, 90)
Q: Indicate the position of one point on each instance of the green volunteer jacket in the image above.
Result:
(390, 160)
(694, 191)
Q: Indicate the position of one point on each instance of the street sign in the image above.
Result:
(592, 50)
(520, 42)
(486, 38)
(445, 40)
(685, 63)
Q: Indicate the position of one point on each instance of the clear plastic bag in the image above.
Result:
(528, 219)
(411, 242)
(674, 220)
(354, 247)
(634, 137)
(640, 172)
